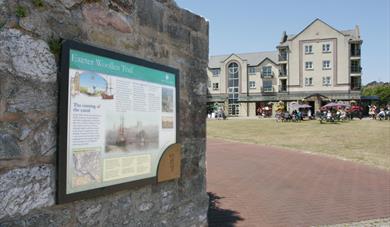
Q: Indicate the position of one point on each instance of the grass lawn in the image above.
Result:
(364, 141)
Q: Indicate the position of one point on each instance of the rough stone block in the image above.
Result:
(98, 15)
(150, 14)
(25, 189)
(9, 147)
(28, 58)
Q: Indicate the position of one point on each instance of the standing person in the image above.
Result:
(309, 114)
(219, 114)
(223, 114)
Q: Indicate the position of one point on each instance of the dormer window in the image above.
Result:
(252, 70)
(216, 71)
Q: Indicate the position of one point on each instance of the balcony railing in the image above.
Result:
(355, 87)
(282, 88)
(356, 69)
(355, 53)
(267, 74)
(282, 57)
(282, 73)
(267, 89)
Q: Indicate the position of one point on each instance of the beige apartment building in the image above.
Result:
(314, 66)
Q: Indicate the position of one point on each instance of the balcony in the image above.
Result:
(356, 83)
(355, 53)
(282, 73)
(355, 49)
(282, 57)
(267, 74)
(282, 88)
(356, 70)
(355, 88)
(267, 89)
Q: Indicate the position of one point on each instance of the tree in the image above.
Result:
(382, 90)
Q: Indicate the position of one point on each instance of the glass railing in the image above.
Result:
(267, 89)
(267, 74)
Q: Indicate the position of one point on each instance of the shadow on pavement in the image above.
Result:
(218, 216)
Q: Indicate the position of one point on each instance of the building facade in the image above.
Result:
(315, 66)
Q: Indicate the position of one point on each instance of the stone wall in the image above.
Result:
(30, 35)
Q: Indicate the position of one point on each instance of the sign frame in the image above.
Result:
(63, 108)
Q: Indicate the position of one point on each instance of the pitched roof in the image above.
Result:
(251, 58)
(351, 32)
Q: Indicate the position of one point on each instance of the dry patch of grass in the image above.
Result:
(364, 141)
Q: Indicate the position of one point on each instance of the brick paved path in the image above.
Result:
(252, 185)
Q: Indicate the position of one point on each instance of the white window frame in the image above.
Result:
(308, 81)
(326, 48)
(252, 69)
(215, 86)
(308, 49)
(326, 81)
(252, 84)
(266, 70)
(307, 64)
(326, 64)
(269, 88)
(216, 71)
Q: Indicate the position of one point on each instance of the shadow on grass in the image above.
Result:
(218, 216)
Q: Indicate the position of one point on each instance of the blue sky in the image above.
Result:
(257, 25)
(89, 79)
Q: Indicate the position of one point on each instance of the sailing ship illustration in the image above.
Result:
(108, 93)
(140, 134)
(121, 139)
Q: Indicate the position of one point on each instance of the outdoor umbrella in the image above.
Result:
(335, 104)
(299, 106)
(304, 106)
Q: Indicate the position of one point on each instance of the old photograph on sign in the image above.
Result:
(127, 133)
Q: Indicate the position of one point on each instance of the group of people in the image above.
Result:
(294, 116)
(334, 114)
(219, 114)
(382, 113)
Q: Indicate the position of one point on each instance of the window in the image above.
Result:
(326, 64)
(252, 70)
(355, 49)
(209, 83)
(267, 85)
(355, 66)
(215, 86)
(215, 72)
(308, 65)
(308, 81)
(326, 81)
(326, 48)
(308, 49)
(266, 71)
(233, 84)
(252, 84)
(355, 83)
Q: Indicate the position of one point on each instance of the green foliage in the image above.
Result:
(380, 90)
(37, 3)
(55, 46)
(20, 11)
